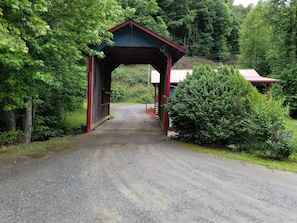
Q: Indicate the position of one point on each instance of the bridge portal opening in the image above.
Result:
(133, 44)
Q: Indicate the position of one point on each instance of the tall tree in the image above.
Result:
(282, 17)
(240, 11)
(42, 57)
(21, 25)
(205, 28)
(179, 18)
(147, 14)
(254, 40)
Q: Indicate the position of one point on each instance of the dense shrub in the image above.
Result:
(287, 86)
(210, 107)
(130, 84)
(11, 137)
(141, 94)
(265, 128)
(46, 127)
(118, 93)
(222, 109)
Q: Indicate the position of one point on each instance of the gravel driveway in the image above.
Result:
(128, 171)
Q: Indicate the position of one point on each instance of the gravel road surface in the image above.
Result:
(128, 171)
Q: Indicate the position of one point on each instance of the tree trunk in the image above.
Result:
(28, 122)
(10, 120)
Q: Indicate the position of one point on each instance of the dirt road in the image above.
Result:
(128, 171)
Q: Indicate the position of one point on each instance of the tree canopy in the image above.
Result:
(43, 46)
(268, 43)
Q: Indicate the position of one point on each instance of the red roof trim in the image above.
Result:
(130, 21)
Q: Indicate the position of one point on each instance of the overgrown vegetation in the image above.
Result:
(222, 109)
(11, 137)
(268, 43)
(132, 84)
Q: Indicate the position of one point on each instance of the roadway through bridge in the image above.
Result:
(126, 170)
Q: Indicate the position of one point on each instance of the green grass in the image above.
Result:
(288, 165)
(77, 118)
(35, 147)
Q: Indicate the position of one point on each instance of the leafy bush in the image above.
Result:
(141, 94)
(129, 84)
(210, 107)
(46, 127)
(288, 86)
(11, 137)
(118, 93)
(223, 109)
(265, 129)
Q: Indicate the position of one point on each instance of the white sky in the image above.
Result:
(245, 2)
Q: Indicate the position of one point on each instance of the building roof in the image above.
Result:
(176, 76)
(252, 76)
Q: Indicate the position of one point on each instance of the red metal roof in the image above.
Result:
(178, 75)
(252, 76)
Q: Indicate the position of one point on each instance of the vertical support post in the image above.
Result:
(268, 87)
(167, 92)
(155, 97)
(90, 93)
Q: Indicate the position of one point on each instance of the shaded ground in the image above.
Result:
(128, 171)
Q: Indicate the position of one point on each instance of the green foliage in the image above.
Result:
(46, 127)
(268, 42)
(146, 13)
(288, 86)
(210, 107)
(265, 129)
(277, 149)
(42, 56)
(118, 93)
(141, 94)
(205, 28)
(130, 83)
(11, 137)
(281, 16)
(254, 39)
(223, 109)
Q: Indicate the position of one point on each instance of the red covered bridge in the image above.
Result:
(133, 44)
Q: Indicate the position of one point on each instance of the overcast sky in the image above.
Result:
(245, 2)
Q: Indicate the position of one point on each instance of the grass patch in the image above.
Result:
(77, 118)
(111, 116)
(35, 147)
(288, 165)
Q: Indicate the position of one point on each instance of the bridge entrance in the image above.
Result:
(133, 44)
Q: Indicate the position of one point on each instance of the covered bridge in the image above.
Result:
(133, 44)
